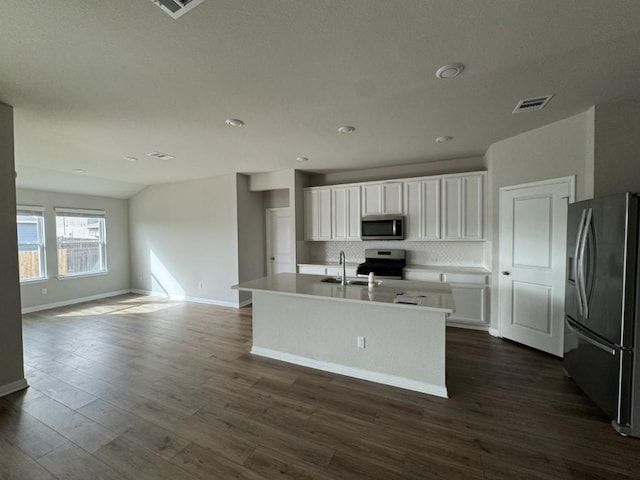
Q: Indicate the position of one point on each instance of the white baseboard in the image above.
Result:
(494, 332)
(186, 298)
(13, 387)
(377, 377)
(245, 303)
(73, 301)
(468, 326)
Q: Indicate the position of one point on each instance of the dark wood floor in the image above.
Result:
(141, 388)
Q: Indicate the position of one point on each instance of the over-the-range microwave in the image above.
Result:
(382, 227)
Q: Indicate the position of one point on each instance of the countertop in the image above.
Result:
(437, 296)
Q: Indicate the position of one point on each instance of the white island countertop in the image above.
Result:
(435, 296)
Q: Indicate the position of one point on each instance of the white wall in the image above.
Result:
(560, 149)
(252, 261)
(184, 240)
(617, 147)
(71, 290)
(457, 165)
(11, 370)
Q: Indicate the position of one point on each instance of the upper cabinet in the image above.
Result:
(446, 207)
(436, 208)
(317, 214)
(345, 213)
(382, 198)
(332, 213)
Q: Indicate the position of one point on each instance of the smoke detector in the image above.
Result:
(532, 104)
(176, 8)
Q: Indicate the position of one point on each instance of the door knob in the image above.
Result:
(273, 258)
(506, 272)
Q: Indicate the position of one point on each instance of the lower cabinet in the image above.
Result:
(331, 270)
(469, 295)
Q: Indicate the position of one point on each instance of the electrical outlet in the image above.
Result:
(43, 291)
(360, 342)
(199, 284)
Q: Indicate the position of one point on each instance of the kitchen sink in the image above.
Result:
(349, 282)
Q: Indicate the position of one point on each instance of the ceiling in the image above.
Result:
(94, 81)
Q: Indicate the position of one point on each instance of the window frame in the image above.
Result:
(101, 241)
(41, 244)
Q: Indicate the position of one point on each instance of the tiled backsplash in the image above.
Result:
(418, 253)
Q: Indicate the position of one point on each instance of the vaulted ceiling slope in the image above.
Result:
(93, 82)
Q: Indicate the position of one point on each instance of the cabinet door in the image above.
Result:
(452, 208)
(431, 210)
(413, 210)
(324, 214)
(345, 218)
(339, 204)
(473, 211)
(469, 301)
(353, 213)
(392, 198)
(371, 199)
(310, 214)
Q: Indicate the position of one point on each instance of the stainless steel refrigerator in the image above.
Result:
(602, 306)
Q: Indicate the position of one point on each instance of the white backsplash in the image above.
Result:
(418, 253)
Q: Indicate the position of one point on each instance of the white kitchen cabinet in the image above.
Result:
(422, 209)
(313, 269)
(469, 295)
(330, 270)
(345, 213)
(382, 198)
(463, 207)
(317, 209)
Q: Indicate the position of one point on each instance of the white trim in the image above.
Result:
(393, 380)
(467, 325)
(245, 303)
(71, 276)
(80, 211)
(13, 387)
(30, 208)
(186, 298)
(494, 332)
(73, 301)
(571, 180)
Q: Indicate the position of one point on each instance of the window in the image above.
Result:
(82, 242)
(31, 253)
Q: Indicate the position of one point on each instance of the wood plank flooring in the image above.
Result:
(144, 388)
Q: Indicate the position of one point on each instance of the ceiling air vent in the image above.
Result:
(161, 156)
(532, 104)
(177, 8)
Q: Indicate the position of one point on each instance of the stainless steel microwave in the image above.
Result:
(382, 227)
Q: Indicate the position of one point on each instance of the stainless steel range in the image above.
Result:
(383, 263)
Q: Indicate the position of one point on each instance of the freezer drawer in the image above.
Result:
(595, 366)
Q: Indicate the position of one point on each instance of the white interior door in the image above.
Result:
(533, 224)
(278, 241)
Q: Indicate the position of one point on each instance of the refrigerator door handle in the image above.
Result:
(578, 330)
(576, 264)
(583, 281)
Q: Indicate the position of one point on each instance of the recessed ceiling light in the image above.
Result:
(347, 129)
(450, 70)
(234, 122)
(131, 159)
(444, 139)
(302, 159)
(78, 170)
(161, 156)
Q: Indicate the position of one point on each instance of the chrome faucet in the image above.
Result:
(343, 262)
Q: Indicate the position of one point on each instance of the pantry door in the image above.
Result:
(533, 232)
(278, 241)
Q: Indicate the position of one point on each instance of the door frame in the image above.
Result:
(571, 181)
(268, 211)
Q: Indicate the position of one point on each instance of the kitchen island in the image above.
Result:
(353, 330)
